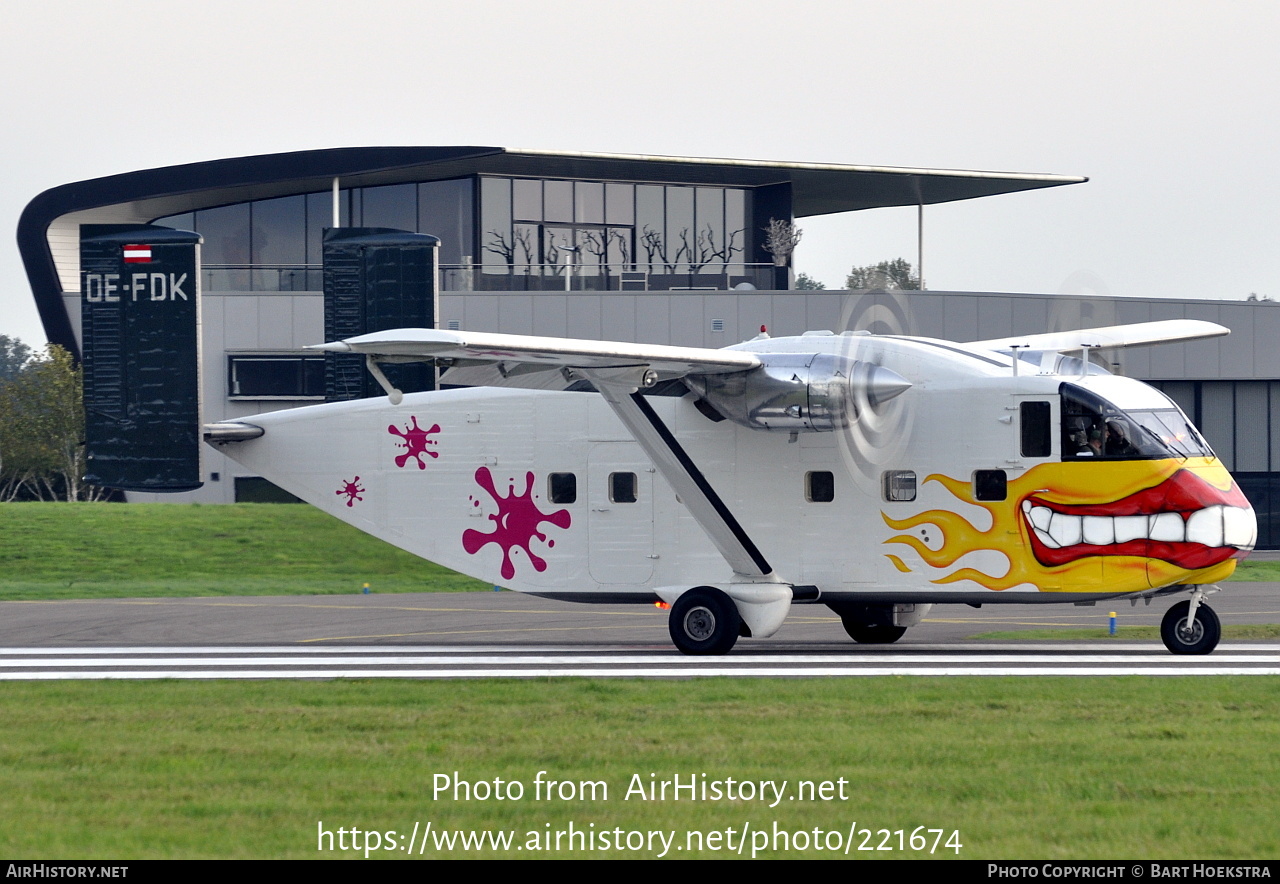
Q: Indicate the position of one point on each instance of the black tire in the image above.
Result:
(704, 621)
(871, 633)
(1204, 635)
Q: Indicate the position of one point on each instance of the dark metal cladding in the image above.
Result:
(140, 309)
(376, 279)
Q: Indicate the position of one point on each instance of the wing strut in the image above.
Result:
(702, 501)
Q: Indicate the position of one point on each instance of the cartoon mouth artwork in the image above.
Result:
(1162, 522)
(1184, 521)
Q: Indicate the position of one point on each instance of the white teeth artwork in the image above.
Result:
(1131, 528)
(1098, 530)
(1065, 530)
(1168, 527)
(1213, 526)
(1205, 526)
(1039, 515)
(1239, 528)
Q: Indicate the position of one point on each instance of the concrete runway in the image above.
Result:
(502, 621)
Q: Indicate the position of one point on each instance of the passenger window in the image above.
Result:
(990, 485)
(819, 486)
(1036, 433)
(899, 485)
(562, 488)
(622, 487)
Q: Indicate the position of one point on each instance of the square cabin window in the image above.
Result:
(622, 487)
(990, 485)
(819, 486)
(899, 485)
(562, 487)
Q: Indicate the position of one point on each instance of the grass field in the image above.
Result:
(1034, 768)
(62, 551)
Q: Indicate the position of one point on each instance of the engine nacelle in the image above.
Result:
(792, 392)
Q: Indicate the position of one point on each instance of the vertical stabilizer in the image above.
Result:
(140, 319)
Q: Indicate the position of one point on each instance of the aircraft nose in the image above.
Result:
(1223, 524)
(1239, 529)
(1206, 507)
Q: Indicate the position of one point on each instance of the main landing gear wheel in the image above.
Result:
(871, 633)
(1201, 638)
(704, 621)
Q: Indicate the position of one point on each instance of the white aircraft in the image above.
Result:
(877, 475)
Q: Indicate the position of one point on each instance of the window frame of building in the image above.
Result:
(307, 389)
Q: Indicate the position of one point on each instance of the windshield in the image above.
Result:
(1093, 427)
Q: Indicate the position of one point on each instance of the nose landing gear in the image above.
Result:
(1191, 627)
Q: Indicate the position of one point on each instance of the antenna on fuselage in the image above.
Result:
(1015, 348)
(1084, 358)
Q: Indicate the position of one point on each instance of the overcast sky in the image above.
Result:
(1170, 108)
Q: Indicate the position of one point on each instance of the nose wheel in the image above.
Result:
(1188, 631)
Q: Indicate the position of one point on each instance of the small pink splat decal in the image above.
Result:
(415, 442)
(516, 521)
(352, 490)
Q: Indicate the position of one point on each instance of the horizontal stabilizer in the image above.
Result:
(231, 431)
(1140, 334)
(668, 362)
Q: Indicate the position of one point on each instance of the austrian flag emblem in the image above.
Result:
(137, 254)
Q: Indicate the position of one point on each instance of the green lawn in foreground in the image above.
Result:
(82, 550)
(1035, 768)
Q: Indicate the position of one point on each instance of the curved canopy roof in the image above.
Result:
(816, 188)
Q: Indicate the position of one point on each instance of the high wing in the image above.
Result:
(1140, 334)
(532, 350)
(618, 370)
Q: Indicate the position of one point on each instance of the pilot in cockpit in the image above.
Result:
(1117, 440)
(1095, 442)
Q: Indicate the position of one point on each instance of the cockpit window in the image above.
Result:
(1092, 427)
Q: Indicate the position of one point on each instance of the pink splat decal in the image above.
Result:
(415, 442)
(352, 490)
(516, 521)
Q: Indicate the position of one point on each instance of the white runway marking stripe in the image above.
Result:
(679, 672)
(27, 664)
(736, 662)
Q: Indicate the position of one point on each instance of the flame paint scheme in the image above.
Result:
(878, 475)
(1167, 523)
